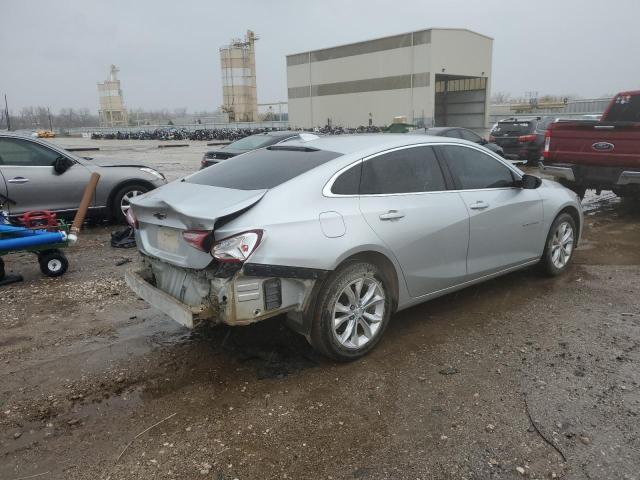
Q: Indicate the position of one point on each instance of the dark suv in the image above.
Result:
(521, 138)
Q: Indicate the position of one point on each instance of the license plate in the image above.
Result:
(168, 239)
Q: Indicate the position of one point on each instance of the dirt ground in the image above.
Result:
(94, 384)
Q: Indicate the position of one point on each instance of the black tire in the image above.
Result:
(2, 272)
(116, 210)
(547, 264)
(322, 337)
(53, 263)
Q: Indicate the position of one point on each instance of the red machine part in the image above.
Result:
(39, 219)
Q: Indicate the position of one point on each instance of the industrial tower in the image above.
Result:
(239, 92)
(112, 112)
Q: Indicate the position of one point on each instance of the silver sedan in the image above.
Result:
(339, 233)
(37, 175)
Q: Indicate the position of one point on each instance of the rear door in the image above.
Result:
(31, 181)
(505, 221)
(404, 199)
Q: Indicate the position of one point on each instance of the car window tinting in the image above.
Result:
(402, 171)
(473, 169)
(452, 133)
(348, 183)
(23, 153)
(261, 169)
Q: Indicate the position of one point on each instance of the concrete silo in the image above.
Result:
(239, 94)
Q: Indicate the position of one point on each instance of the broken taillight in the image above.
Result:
(131, 218)
(238, 247)
(198, 239)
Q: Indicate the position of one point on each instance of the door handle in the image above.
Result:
(479, 205)
(18, 180)
(391, 215)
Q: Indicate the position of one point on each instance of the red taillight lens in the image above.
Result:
(492, 138)
(131, 218)
(199, 239)
(238, 247)
(547, 143)
(526, 138)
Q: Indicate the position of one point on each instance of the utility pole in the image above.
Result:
(6, 111)
(50, 125)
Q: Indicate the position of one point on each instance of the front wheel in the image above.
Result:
(351, 313)
(561, 241)
(122, 198)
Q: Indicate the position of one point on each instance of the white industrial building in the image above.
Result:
(434, 77)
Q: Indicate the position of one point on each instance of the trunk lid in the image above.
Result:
(506, 133)
(164, 213)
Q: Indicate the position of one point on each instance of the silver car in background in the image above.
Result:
(38, 175)
(340, 232)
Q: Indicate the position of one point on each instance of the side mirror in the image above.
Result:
(529, 182)
(62, 164)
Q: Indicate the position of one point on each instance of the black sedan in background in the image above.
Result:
(458, 132)
(252, 142)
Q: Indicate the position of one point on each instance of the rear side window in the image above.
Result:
(473, 169)
(544, 124)
(402, 171)
(262, 169)
(348, 183)
(513, 128)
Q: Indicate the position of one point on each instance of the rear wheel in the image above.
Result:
(53, 263)
(122, 200)
(351, 313)
(558, 250)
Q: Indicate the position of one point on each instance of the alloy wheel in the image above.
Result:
(125, 203)
(358, 312)
(562, 245)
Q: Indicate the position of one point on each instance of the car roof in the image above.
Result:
(347, 144)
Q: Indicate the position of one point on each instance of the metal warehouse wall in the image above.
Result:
(379, 79)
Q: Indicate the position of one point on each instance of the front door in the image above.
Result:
(404, 199)
(505, 221)
(31, 181)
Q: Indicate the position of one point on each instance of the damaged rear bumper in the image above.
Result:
(254, 293)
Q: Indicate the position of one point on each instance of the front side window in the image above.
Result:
(23, 153)
(473, 169)
(407, 170)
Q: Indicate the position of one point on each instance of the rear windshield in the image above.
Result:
(262, 169)
(513, 128)
(626, 108)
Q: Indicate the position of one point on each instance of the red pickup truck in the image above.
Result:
(598, 154)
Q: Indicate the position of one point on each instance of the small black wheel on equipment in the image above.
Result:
(53, 263)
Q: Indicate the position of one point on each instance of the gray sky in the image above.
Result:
(53, 52)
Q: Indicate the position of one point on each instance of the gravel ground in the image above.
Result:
(96, 384)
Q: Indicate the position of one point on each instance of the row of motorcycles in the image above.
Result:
(230, 134)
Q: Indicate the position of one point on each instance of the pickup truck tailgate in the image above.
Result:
(593, 143)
